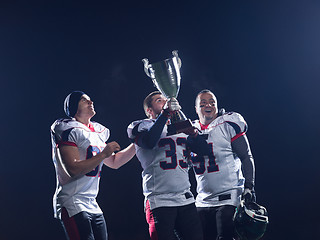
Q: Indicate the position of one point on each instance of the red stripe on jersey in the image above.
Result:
(70, 225)
(68, 143)
(150, 221)
(237, 136)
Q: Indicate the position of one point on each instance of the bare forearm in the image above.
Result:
(120, 158)
(74, 165)
(82, 167)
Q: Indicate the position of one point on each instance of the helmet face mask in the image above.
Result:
(250, 220)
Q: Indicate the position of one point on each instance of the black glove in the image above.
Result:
(192, 131)
(249, 195)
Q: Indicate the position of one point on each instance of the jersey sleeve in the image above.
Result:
(148, 132)
(235, 125)
(70, 137)
(137, 127)
(132, 128)
(66, 133)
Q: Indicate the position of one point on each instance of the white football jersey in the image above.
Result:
(165, 176)
(78, 194)
(219, 176)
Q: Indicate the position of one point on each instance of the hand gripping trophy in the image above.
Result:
(166, 77)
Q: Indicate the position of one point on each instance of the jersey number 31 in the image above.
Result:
(199, 162)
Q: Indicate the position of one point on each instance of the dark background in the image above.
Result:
(261, 58)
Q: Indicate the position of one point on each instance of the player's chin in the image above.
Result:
(209, 116)
(93, 112)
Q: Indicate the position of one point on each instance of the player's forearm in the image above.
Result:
(248, 172)
(120, 158)
(82, 167)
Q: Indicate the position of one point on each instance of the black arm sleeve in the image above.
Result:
(241, 147)
(148, 139)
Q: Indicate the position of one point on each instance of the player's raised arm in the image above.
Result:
(169, 202)
(120, 158)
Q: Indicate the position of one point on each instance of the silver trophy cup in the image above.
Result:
(166, 77)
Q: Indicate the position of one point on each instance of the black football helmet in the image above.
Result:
(250, 220)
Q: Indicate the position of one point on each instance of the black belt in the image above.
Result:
(224, 197)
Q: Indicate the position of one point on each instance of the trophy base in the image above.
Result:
(179, 127)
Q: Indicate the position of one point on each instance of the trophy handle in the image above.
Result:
(175, 54)
(147, 67)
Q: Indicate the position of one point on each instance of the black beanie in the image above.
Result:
(71, 103)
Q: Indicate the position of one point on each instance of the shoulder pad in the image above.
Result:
(233, 117)
(236, 122)
(63, 124)
(138, 126)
